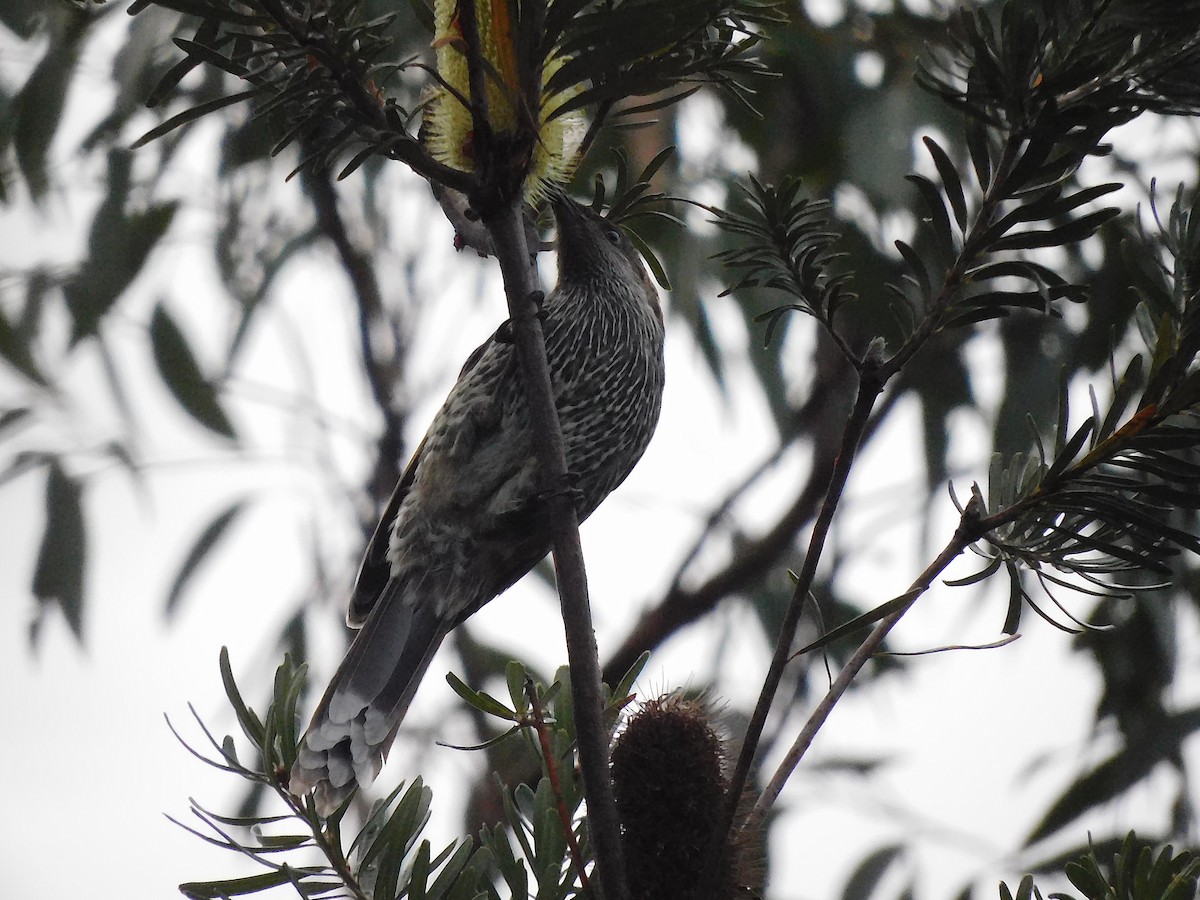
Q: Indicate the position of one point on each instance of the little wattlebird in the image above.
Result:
(467, 520)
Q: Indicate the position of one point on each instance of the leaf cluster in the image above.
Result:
(542, 842)
(970, 270)
(1136, 873)
(638, 48)
(1074, 60)
(787, 247)
(1102, 501)
(322, 67)
(386, 859)
(123, 233)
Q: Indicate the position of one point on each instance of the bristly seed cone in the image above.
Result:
(668, 769)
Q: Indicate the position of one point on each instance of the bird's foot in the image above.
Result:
(531, 511)
(569, 488)
(504, 334)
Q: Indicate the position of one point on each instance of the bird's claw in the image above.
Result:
(504, 334)
(569, 488)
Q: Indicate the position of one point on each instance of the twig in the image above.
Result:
(330, 847)
(564, 814)
(366, 105)
(680, 605)
(869, 388)
(381, 373)
(969, 530)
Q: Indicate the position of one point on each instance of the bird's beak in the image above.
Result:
(570, 221)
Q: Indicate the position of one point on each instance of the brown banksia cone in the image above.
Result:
(668, 769)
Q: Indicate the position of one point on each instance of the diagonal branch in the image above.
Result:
(870, 386)
(969, 530)
(820, 418)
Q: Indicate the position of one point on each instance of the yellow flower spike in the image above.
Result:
(449, 129)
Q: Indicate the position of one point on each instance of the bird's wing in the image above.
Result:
(375, 569)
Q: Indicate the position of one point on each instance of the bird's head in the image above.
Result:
(593, 251)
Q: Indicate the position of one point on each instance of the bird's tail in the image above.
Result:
(358, 717)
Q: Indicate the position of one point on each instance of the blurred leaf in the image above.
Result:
(118, 245)
(12, 418)
(20, 17)
(865, 878)
(204, 544)
(181, 373)
(39, 104)
(15, 350)
(58, 573)
(1115, 775)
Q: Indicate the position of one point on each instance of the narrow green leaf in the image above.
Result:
(950, 181)
(977, 145)
(246, 717)
(939, 221)
(235, 887)
(1074, 231)
(882, 611)
(917, 267)
(423, 13)
(514, 675)
(624, 687)
(418, 876)
(190, 115)
(455, 867)
(481, 701)
(182, 376)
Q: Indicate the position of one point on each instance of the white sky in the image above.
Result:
(92, 767)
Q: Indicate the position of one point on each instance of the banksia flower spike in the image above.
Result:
(547, 145)
(668, 769)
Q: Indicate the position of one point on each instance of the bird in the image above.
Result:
(466, 520)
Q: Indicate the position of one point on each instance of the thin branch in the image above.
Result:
(564, 814)
(970, 529)
(680, 605)
(508, 232)
(869, 388)
(382, 374)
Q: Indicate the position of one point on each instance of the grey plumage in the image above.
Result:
(464, 522)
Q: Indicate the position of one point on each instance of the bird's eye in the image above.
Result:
(613, 235)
